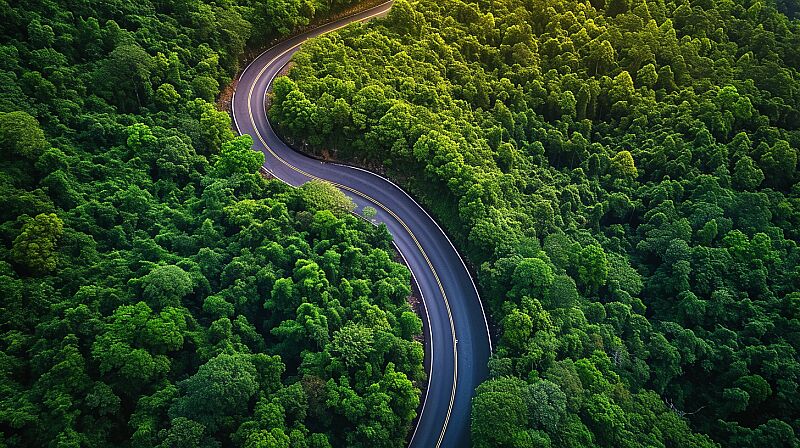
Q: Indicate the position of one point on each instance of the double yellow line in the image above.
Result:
(372, 200)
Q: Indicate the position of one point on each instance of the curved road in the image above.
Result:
(457, 337)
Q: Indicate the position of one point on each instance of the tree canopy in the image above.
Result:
(157, 290)
(623, 176)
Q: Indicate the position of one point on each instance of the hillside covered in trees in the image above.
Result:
(622, 176)
(156, 290)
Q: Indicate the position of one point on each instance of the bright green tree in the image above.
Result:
(35, 247)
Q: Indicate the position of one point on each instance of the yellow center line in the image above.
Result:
(376, 202)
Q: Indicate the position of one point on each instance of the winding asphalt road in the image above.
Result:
(457, 336)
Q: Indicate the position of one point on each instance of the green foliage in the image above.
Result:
(166, 286)
(624, 176)
(123, 78)
(532, 277)
(21, 136)
(157, 291)
(624, 165)
(35, 247)
(325, 196)
(499, 414)
(237, 157)
(369, 212)
(352, 344)
(221, 388)
(592, 268)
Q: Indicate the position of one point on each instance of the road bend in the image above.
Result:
(457, 342)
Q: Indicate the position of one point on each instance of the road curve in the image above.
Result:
(457, 337)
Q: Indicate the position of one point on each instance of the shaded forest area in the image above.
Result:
(156, 290)
(622, 173)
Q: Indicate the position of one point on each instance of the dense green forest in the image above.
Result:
(156, 290)
(622, 176)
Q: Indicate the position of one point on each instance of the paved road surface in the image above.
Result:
(457, 341)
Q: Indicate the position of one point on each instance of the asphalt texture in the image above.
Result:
(456, 332)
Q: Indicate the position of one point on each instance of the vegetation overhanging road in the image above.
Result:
(457, 337)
